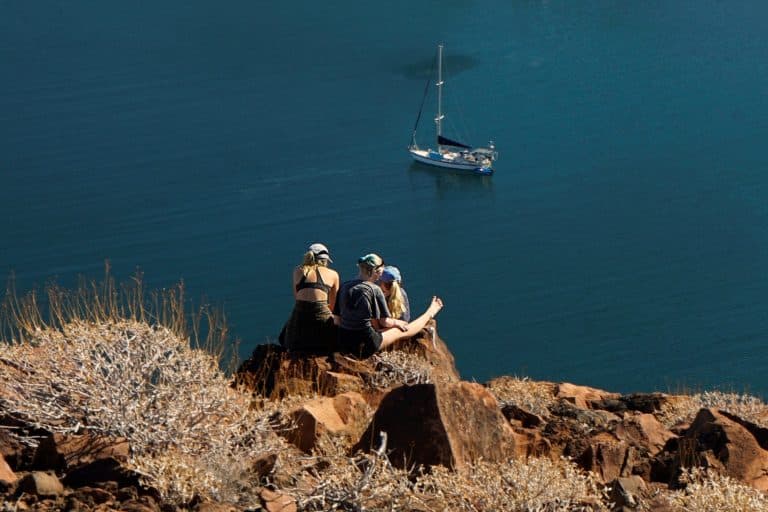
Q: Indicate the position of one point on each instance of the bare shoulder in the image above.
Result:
(329, 274)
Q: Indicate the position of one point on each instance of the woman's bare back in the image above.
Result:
(329, 276)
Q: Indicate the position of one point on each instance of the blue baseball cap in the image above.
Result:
(390, 274)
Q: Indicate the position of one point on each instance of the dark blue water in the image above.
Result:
(622, 243)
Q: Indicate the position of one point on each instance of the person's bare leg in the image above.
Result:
(393, 335)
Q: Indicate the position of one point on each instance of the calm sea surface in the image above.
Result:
(622, 242)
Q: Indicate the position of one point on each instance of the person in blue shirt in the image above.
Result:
(391, 283)
(365, 322)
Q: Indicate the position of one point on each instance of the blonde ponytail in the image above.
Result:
(395, 303)
(309, 263)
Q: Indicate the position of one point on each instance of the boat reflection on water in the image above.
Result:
(449, 183)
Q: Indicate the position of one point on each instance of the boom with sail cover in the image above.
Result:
(445, 141)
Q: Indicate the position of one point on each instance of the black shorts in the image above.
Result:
(360, 343)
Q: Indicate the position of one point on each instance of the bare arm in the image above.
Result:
(388, 323)
(295, 277)
(334, 290)
(391, 336)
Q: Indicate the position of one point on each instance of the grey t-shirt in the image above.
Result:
(357, 302)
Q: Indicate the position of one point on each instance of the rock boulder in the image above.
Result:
(446, 424)
(581, 396)
(7, 476)
(739, 447)
(339, 415)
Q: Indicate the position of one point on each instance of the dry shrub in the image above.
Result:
(395, 368)
(712, 492)
(335, 481)
(119, 362)
(538, 484)
(683, 408)
(362, 483)
(189, 432)
(369, 482)
(533, 396)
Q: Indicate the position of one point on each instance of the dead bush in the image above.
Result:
(184, 423)
(535, 485)
(125, 365)
(684, 407)
(712, 492)
(533, 396)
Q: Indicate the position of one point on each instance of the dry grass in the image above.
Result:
(395, 368)
(532, 396)
(713, 492)
(363, 482)
(369, 482)
(116, 362)
(683, 408)
(189, 432)
(103, 302)
(539, 485)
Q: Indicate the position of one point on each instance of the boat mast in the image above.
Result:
(440, 116)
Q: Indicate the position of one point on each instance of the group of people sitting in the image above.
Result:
(358, 317)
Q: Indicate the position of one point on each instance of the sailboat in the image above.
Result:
(451, 154)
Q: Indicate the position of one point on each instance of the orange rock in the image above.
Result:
(41, 484)
(345, 413)
(334, 383)
(6, 473)
(628, 492)
(580, 396)
(272, 372)
(428, 345)
(449, 424)
(737, 444)
(10, 448)
(644, 430)
(275, 501)
(530, 443)
(606, 457)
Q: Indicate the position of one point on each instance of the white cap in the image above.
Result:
(321, 252)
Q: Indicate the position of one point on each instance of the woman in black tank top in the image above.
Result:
(311, 327)
(317, 285)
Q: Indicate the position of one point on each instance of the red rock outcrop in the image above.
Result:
(274, 501)
(529, 442)
(10, 449)
(448, 424)
(731, 444)
(428, 345)
(611, 445)
(275, 373)
(581, 396)
(339, 415)
(39, 483)
(7, 476)
(644, 430)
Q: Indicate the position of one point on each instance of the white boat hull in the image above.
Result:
(450, 161)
